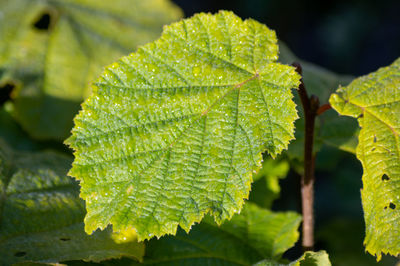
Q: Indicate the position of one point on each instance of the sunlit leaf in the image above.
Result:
(175, 130)
(375, 101)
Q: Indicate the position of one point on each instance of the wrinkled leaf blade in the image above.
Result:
(175, 130)
(375, 101)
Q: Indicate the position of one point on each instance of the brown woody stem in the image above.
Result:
(310, 107)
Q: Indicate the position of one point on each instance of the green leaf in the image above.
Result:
(271, 234)
(330, 129)
(12, 133)
(309, 258)
(175, 130)
(41, 215)
(265, 188)
(375, 101)
(249, 237)
(51, 50)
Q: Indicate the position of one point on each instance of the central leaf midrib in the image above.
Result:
(164, 152)
(205, 112)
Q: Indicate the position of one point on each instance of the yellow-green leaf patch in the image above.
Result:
(175, 130)
(375, 101)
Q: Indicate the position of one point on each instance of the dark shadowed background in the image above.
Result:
(347, 36)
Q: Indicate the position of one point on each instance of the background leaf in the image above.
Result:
(254, 234)
(265, 188)
(375, 101)
(309, 258)
(176, 130)
(51, 50)
(41, 215)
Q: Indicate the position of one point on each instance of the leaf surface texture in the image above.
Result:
(175, 130)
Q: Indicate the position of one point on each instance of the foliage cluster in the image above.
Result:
(171, 138)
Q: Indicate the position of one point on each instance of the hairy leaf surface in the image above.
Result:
(375, 101)
(175, 130)
(51, 50)
(41, 214)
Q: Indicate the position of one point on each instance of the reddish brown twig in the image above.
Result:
(323, 108)
(310, 107)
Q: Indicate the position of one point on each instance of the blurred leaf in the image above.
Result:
(309, 258)
(271, 234)
(374, 100)
(265, 188)
(247, 238)
(12, 134)
(176, 130)
(321, 83)
(340, 132)
(51, 50)
(41, 215)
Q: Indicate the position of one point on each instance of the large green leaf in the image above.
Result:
(41, 215)
(375, 101)
(175, 130)
(52, 49)
(330, 129)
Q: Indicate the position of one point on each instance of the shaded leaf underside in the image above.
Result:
(375, 101)
(175, 130)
